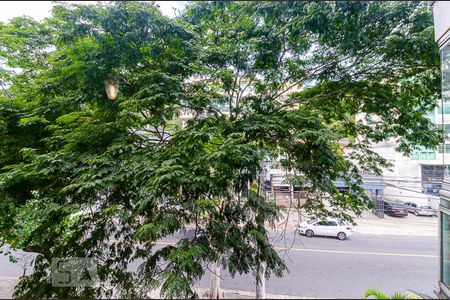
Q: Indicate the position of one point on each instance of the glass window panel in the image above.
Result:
(445, 248)
(445, 69)
(446, 127)
(423, 154)
(445, 203)
(446, 108)
(441, 148)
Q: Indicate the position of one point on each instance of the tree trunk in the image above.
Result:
(261, 281)
(33, 249)
(261, 267)
(214, 288)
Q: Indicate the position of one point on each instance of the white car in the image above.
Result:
(329, 227)
(425, 210)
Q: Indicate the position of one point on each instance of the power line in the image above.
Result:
(404, 189)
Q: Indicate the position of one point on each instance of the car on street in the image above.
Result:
(425, 210)
(395, 209)
(421, 210)
(329, 227)
(411, 207)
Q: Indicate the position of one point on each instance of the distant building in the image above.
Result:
(416, 178)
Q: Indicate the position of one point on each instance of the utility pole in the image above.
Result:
(272, 194)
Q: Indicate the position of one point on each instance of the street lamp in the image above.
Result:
(111, 88)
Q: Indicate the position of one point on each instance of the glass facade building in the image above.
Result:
(441, 13)
(444, 236)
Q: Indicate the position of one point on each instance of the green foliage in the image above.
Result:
(377, 294)
(85, 176)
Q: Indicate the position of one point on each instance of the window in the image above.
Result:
(321, 223)
(332, 223)
(446, 108)
(423, 154)
(444, 225)
(442, 147)
(432, 173)
(445, 69)
(446, 127)
(445, 249)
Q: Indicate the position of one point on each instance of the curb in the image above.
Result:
(238, 294)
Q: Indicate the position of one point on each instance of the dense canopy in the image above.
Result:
(85, 176)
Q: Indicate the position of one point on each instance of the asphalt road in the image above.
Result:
(329, 268)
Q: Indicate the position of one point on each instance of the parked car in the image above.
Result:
(425, 210)
(435, 212)
(395, 209)
(330, 227)
(411, 207)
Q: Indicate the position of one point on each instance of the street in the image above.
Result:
(328, 268)
(144, 144)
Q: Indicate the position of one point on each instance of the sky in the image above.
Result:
(41, 9)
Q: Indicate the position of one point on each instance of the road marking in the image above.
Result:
(165, 243)
(338, 251)
(357, 252)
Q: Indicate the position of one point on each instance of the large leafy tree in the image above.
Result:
(85, 176)
(324, 62)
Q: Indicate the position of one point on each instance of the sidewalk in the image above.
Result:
(237, 294)
(368, 223)
(7, 284)
(411, 225)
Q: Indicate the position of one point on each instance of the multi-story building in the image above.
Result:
(416, 178)
(441, 12)
(419, 177)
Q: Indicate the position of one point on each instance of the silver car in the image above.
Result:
(425, 210)
(411, 207)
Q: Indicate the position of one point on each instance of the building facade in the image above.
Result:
(416, 178)
(441, 12)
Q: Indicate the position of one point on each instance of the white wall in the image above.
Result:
(404, 180)
(441, 13)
